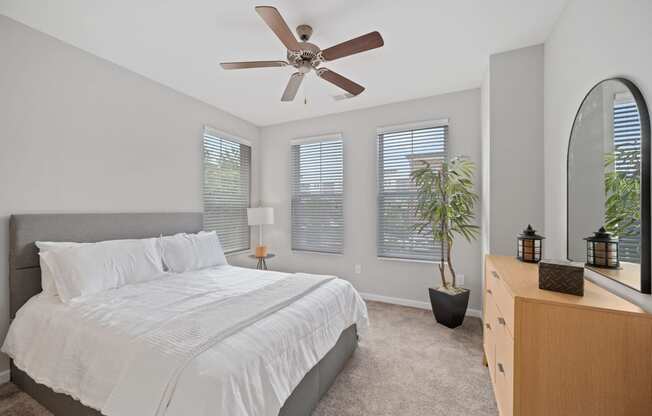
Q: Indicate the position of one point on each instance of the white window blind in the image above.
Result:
(399, 154)
(317, 181)
(627, 138)
(227, 183)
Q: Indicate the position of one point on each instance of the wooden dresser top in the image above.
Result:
(523, 281)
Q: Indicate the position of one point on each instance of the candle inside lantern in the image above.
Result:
(528, 249)
(600, 253)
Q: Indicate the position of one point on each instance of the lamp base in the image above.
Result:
(261, 251)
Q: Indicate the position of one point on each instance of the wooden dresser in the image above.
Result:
(551, 354)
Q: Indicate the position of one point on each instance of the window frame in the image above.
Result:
(398, 128)
(332, 137)
(223, 135)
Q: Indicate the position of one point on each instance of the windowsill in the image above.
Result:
(237, 253)
(316, 252)
(408, 260)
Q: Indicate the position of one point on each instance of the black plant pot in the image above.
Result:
(449, 309)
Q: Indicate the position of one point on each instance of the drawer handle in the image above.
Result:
(501, 321)
(500, 368)
(494, 274)
(490, 292)
(487, 325)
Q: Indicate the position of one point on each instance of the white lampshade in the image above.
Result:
(260, 216)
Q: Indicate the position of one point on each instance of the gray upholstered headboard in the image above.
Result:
(24, 230)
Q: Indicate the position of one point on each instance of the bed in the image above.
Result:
(281, 362)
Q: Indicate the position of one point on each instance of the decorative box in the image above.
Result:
(561, 276)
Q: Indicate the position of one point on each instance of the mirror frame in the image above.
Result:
(646, 282)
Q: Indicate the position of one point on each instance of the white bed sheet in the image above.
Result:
(80, 349)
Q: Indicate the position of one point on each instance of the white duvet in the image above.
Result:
(113, 350)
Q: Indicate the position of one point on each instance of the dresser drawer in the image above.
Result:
(504, 371)
(489, 279)
(504, 303)
(489, 336)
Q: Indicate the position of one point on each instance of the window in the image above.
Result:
(627, 141)
(400, 149)
(227, 180)
(317, 181)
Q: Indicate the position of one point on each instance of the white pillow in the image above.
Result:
(184, 252)
(96, 267)
(47, 281)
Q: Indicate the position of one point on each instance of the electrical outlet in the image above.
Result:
(460, 279)
(358, 268)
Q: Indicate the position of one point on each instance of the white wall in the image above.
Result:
(515, 134)
(79, 134)
(593, 40)
(398, 279)
(485, 148)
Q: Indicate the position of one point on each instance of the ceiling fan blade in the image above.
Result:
(252, 64)
(292, 87)
(362, 43)
(275, 21)
(342, 82)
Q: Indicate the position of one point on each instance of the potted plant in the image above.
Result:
(623, 193)
(445, 201)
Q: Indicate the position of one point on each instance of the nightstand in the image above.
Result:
(262, 264)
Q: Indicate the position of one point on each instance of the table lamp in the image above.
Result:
(260, 216)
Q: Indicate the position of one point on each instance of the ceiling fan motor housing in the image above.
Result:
(308, 54)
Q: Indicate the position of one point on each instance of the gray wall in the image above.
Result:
(391, 278)
(513, 144)
(80, 134)
(593, 40)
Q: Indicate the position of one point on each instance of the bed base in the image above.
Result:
(301, 402)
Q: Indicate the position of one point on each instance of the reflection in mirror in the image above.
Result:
(605, 177)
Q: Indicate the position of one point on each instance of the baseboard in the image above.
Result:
(5, 376)
(411, 303)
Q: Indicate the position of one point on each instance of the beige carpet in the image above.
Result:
(14, 402)
(408, 365)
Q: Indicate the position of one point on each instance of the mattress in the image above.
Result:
(82, 349)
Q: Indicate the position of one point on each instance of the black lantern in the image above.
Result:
(529, 246)
(602, 250)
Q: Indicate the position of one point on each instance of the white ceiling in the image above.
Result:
(431, 46)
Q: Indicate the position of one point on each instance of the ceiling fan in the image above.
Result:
(305, 56)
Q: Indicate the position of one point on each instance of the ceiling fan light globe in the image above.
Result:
(305, 67)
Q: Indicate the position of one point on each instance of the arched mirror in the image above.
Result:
(609, 184)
